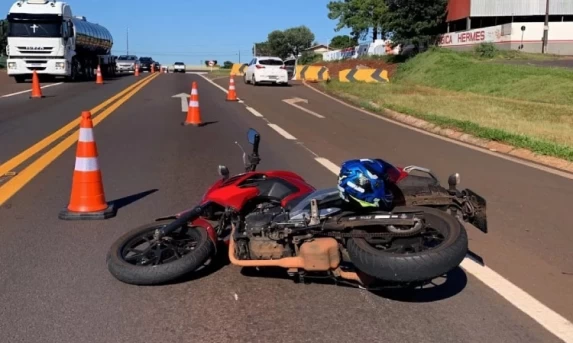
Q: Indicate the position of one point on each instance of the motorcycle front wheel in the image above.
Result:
(139, 257)
(440, 247)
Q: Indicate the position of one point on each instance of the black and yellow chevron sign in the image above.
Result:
(314, 73)
(363, 75)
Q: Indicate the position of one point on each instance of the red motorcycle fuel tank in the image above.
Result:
(237, 190)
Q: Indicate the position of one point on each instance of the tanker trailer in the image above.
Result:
(44, 36)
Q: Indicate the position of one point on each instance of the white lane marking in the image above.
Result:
(254, 112)
(546, 317)
(304, 109)
(29, 90)
(453, 141)
(282, 132)
(214, 83)
(549, 319)
(328, 165)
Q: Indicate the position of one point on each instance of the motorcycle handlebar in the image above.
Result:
(183, 219)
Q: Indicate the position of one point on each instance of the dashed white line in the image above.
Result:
(328, 165)
(29, 90)
(546, 317)
(282, 132)
(254, 112)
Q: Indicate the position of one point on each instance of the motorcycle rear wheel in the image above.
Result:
(165, 260)
(414, 266)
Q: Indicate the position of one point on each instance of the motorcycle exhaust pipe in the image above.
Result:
(288, 262)
(182, 220)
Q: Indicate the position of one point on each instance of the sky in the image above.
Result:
(192, 31)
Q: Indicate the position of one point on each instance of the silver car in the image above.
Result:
(127, 63)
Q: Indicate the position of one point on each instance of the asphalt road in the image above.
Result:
(54, 285)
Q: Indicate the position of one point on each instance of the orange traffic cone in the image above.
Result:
(193, 112)
(136, 72)
(99, 77)
(87, 200)
(36, 90)
(232, 94)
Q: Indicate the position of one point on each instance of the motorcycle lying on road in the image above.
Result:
(276, 219)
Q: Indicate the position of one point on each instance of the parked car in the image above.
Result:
(127, 63)
(266, 69)
(179, 67)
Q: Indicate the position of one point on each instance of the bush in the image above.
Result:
(227, 65)
(486, 50)
(309, 57)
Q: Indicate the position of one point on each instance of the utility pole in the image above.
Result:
(545, 29)
(127, 40)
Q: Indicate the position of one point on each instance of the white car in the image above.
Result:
(179, 67)
(266, 69)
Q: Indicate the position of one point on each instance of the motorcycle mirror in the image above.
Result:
(454, 180)
(224, 171)
(251, 136)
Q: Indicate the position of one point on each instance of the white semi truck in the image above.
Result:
(44, 36)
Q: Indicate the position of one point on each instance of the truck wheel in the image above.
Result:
(19, 78)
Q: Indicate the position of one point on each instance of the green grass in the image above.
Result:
(523, 121)
(467, 73)
(216, 73)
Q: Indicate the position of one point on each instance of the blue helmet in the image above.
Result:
(364, 182)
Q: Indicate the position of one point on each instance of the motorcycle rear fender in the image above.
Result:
(211, 232)
(479, 220)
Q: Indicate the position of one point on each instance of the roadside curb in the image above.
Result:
(494, 146)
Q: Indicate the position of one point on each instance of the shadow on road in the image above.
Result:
(440, 288)
(125, 201)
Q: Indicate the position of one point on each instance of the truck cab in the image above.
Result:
(45, 37)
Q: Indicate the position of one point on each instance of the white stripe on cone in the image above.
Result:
(87, 164)
(193, 103)
(86, 135)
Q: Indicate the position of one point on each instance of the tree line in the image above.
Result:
(416, 22)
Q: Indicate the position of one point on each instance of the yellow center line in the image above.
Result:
(20, 180)
(41, 145)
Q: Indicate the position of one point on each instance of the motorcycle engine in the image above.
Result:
(262, 241)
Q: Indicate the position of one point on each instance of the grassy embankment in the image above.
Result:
(220, 72)
(524, 106)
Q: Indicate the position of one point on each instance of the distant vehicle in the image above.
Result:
(146, 63)
(127, 63)
(179, 67)
(45, 37)
(266, 69)
(156, 66)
